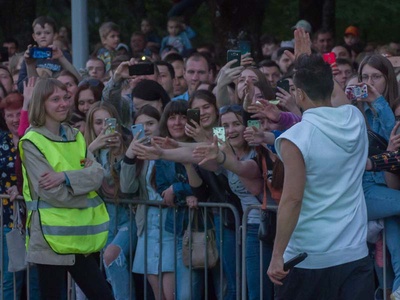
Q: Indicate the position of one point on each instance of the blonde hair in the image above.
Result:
(42, 91)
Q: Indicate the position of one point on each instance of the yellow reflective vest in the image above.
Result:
(66, 230)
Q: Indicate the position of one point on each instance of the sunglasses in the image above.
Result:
(230, 108)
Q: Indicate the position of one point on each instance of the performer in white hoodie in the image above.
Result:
(322, 210)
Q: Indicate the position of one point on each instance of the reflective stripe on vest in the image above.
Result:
(67, 230)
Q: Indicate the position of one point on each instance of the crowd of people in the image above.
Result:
(77, 170)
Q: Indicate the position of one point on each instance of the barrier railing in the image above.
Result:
(240, 250)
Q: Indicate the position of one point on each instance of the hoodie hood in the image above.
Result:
(339, 124)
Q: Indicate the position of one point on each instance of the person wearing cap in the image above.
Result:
(303, 24)
(123, 49)
(351, 35)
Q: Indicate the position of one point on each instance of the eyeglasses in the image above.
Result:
(90, 81)
(373, 77)
(230, 108)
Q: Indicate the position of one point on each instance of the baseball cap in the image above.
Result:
(303, 24)
(352, 30)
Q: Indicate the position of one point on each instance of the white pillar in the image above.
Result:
(80, 38)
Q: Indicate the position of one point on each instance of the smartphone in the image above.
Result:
(234, 54)
(255, 123)
(193, 114)
(284, 84)
(143, 68)
(111, 124)
(354, 92)
(138, 128)
(294, 261)
(329, 57)
(36, 52)
(245, 47)
(3, 54)
(219, 132)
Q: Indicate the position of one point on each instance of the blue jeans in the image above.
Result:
(118, 272)
(253, 265)
(228, 257)
(183, 286)
(8, 280)
(383, 203)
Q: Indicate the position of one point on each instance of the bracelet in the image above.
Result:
(224, 158)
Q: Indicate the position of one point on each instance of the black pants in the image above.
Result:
(85, 272)
(350, 281)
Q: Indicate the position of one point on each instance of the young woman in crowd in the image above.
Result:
(89, 91)
(382, 202)
(246, 181)
(60, 177)
(172, 184)
(139, 176)
(108, 149)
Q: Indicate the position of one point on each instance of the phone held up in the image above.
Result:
(329, 57)
(139, 128)
(234, 54)
(142, 68)
(219, 132)
(354, 92)
(37, 52)
(111, 124)
(193, 114)
(284, 84)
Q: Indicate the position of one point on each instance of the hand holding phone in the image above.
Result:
(284, 84)
(111, 124)
(294, 261)
(142, 68)
(219, 132)
(329, 57)
(138, 128)
(193, 114)
(38, 53)
(234, 54)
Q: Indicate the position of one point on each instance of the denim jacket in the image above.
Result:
(382, 122)
(170, 173)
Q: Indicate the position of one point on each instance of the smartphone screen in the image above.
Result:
(234, 54)
(36, 52)
(138, 128)
(193, 114)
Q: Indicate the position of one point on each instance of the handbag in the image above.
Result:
(267, 229)
(376, 143)
(199, 246)
(16, 242)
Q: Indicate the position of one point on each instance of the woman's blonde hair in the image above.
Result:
(42, 91)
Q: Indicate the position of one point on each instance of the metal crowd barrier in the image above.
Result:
(240, 261)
